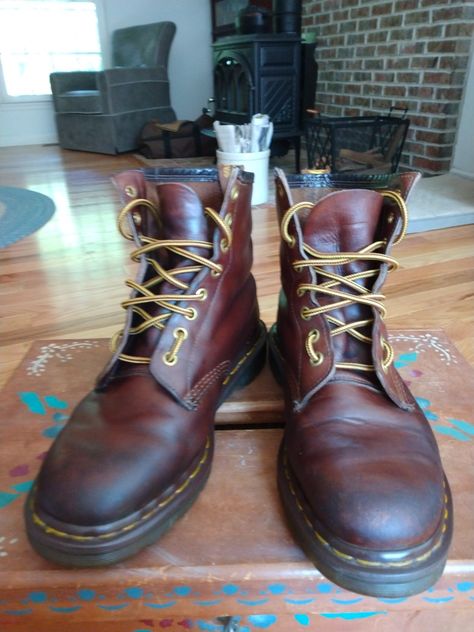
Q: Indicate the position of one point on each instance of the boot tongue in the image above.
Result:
(343, 221)
(181, 213)
(346, 221)
(182, 217)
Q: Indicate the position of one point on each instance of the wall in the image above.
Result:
(407, 53)
(463, 160)
(29, 123)
(190, 66)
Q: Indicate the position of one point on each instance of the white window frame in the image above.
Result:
(38, 98)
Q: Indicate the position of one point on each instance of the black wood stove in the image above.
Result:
(260, 73)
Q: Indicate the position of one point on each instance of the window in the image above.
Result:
(38, 37)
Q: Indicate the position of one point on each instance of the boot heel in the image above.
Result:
(249, 366)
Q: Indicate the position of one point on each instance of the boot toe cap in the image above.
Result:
(378, 507)
(386, 513)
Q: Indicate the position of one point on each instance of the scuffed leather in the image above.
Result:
(370, 471)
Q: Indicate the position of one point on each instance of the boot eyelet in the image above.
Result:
(228, 219)
(300, 292)
(304, 313)
(224, 245)
(314, 335)
(171, 357)
(191, 315)
(216, 273)
(202, 293)
(169, 360)
(387, 354)
(318, 359)
(234, 194)
(130, 191)
(137, 219)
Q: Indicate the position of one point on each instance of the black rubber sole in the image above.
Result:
(118, 542)
(248, 366)
(360, 575)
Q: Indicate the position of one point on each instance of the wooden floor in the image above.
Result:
(66, 281)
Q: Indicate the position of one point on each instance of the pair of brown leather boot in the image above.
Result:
(359, 471)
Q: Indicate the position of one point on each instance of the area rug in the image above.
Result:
(22, 212)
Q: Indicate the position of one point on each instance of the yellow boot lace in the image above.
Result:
(344, 287)
(145, 293)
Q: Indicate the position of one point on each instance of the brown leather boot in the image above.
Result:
(137, 450)
(359, 470)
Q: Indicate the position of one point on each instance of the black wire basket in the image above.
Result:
(356, 143)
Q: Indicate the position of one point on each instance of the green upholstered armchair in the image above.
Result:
(105, 111)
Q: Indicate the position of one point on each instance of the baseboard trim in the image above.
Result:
(462, 174)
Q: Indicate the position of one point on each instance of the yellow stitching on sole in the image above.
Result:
(84, 538)
(240, 362)
(359, 561)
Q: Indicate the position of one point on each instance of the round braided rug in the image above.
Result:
(22, 212)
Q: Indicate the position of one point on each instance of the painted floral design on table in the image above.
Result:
(49, 409)
(63, 352)
(421, 343)
(6, 544)
(352, 607)
(45, 408)
(459, 429)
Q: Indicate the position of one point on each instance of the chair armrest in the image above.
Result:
(69, 81)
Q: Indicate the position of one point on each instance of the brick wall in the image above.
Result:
(408, 53)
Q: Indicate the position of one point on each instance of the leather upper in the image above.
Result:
(374, 470)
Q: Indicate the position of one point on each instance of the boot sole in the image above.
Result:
(118, 541)
(354, 568)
